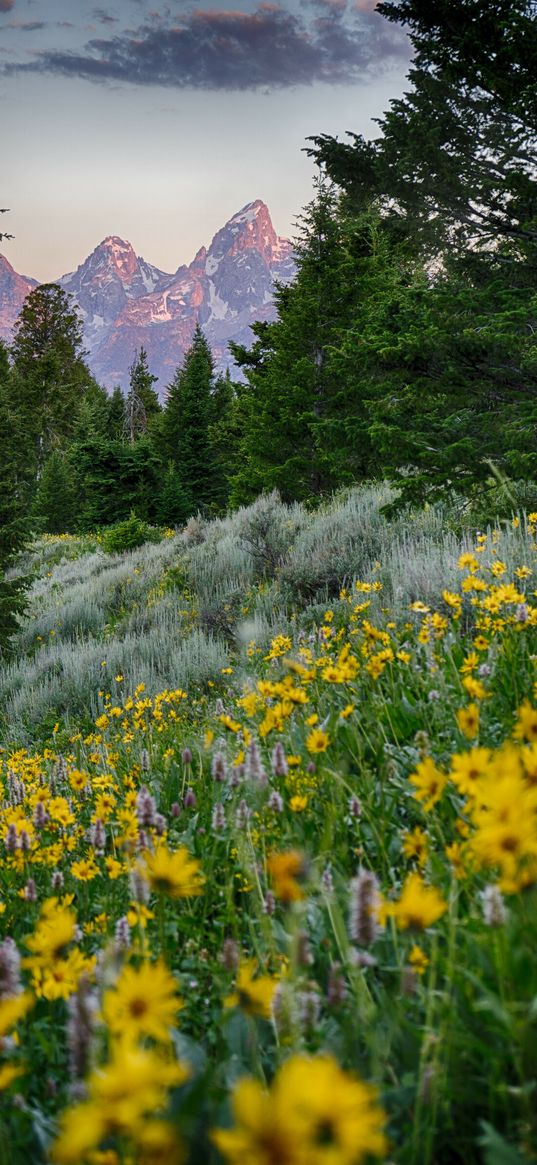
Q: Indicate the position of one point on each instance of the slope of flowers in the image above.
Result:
(288, 919)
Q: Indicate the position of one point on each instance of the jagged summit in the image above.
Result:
(126, 302)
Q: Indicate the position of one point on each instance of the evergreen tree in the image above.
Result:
(174, 503)
(47, 355)
(224, 437)
(16, 471)
(55, 505)
(295, 437)
(448, 366)
(183, 431)
(457, 158)
(112, 479)
(117, 415)
(142, 402)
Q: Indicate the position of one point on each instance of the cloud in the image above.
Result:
(6, 5)
(104, 17)
(26, 25)
(232, 50)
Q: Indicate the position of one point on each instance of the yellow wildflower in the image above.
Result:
(173, 872)
(253, 995)
(418, 960)
(314, 1114)
(429, 782)
(317, 741)
(143, 1002)
(419, 905)
(468, 720)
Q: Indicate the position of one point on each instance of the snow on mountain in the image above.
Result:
(13, 291)
(127, 303)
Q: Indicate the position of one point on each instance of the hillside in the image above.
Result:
(287, 805)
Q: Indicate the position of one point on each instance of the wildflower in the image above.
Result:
(468, 561)
(317, 741)
(418, 960)
(145, 807)
(363, 908)
(505, 820)
(143, 1002)
(415, 845)
(429, 783)
(242, 815)
(54, 932)
(252, 995)
(81, 1018)
(10, 966)
(468, 767)
(269, 903)
(474, 688)
(254, 765)
(314, 1114)
(286, 869)
(419, 905)
(280, 767)
(84, 870)
(526, 724)
(468, 720)
(275, 802)
(327, 880)
(219, 767)
(355, 808)
(132, 1085)
(12, 1010)
(298, 803)
(173, 872)
(494, 912)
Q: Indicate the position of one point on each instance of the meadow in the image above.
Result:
(268, 873)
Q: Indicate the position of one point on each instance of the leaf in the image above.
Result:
(497, 1150)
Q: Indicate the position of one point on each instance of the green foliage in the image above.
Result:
(174, 503)
(112, 478)
(55, 503)
(142, 403)
(128, 535)
(301, 432)
(48, 358)
(455, 161)
(16, 473)
(182, 435)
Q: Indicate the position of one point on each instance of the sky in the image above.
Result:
(157, 121)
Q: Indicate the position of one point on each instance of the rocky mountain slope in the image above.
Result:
(127, 303)
(13, 291)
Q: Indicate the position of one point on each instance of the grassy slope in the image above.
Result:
(177, 612)
(334, 641)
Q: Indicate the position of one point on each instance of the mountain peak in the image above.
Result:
(126, 303)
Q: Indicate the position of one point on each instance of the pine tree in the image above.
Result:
(16, 472)
(174, 504)
(457, 156)
(183, 431)
(55, 505)
(448, 366)
(142, 402)
(47, 355)
(117, 415)
(224, 437)
(295, 438)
